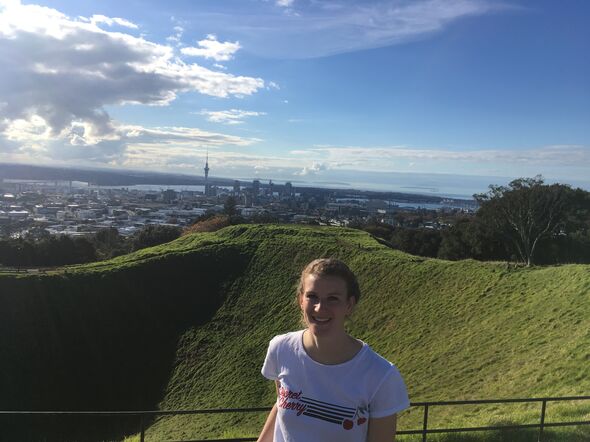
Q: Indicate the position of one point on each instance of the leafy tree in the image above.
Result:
(153, 235)
(525, 212)
(423, 242)
(16, 253)
(469, 238)
(229, 206)
(109, 243)
(84, 250)
(62, 250)
(378, 229)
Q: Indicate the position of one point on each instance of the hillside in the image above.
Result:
(186, 324)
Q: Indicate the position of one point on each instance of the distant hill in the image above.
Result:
(122, 177)
(186, 325)
(102, 177)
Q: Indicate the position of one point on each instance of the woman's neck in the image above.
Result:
(330, 349)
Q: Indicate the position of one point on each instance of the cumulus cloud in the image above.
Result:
(210, 47)
(126, 145)
(63, 71)
(314, 169)
(110, 21)
(232, 116)
(177, 36)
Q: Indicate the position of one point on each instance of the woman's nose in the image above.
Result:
(320, 305)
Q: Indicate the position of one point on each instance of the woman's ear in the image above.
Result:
(351, 304)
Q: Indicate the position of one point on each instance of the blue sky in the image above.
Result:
(444, 95)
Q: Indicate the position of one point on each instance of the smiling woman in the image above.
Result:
(330, 386)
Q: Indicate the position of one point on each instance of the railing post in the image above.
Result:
(541, 428)
(425, 424)
(141, 428)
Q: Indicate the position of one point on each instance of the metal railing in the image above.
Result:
(425, 431)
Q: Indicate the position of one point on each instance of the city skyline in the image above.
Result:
(448, 96)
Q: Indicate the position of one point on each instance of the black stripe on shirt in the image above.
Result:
(317, 416)
(336, 407)
(335, 414)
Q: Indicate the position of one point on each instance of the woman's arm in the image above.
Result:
(382, 429)
(266, 435)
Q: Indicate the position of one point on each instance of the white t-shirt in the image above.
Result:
(325, 403)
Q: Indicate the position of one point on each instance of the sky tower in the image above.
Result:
(207, 174)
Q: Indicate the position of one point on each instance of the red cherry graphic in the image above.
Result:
(361, 420)
(347, 424)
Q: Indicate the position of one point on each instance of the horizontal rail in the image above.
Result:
(489, 428)
(424, 431)
(500, 401)
(260, 409)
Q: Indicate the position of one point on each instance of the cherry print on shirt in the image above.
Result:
(295, 401)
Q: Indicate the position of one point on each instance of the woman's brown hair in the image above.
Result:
(331, 267)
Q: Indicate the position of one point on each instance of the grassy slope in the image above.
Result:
(455, 329)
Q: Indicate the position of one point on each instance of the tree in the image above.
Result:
(153, 235)
(229, 206)
(469, 238)
(109, 243)
(526, 211)
(422, 242)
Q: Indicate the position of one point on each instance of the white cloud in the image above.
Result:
(314, 169)
(273, 85)
(285, 3)
(572, 155)
(32, 141)
(177, 36)
(301, 152)
(110, 21)
(232, 116)
(210, 47)
(326, 27)
(64, 71)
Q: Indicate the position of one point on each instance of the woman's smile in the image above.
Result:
(325, 303)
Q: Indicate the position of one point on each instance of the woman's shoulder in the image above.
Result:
(290, 339)
(378, 363)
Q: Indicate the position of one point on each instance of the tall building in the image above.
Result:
(288, 189)
(236, 188)
(255, 190)
(207, 185)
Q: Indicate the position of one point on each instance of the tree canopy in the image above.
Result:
(528, 210)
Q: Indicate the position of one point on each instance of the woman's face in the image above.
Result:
(325, 304)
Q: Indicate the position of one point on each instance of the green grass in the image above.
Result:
(456, 330)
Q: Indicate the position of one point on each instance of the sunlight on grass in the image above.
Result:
(456, 330)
